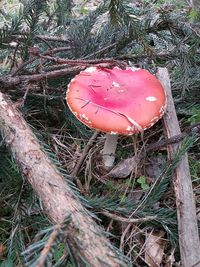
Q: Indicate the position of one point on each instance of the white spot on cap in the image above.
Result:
(133, 68)
(115, 84)
(72, 80)
(121, 91)
(129, 128)
(83, 117)
(90, 69)
(113, 132)
(151, 98)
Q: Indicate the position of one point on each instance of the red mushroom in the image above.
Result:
(116, 101)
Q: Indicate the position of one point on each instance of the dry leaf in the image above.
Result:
(154, 166)
(123, 168)
(154, 248)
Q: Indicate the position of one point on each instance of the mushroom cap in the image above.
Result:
(116, 101)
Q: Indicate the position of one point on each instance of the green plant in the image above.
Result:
(142, 181)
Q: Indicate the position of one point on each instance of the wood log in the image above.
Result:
(186, 210)
(84, 236)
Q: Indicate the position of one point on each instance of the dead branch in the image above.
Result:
(186, 211)
(85, 237)
(36, 56)
(76, 66)
(9, 81)
(80, 62)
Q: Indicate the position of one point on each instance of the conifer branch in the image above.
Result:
(85, 237)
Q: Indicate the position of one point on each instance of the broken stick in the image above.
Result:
(85, 238)
(186, 210)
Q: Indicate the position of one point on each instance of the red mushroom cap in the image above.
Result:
(116, 101)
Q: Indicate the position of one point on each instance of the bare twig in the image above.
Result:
(186, 211)
(110, 61)
(31, 60)
(9, 81)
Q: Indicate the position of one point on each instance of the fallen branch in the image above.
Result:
(85, 237)
(74, 66)
(186, 211)
(9, 81)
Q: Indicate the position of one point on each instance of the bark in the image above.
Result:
(83, 235)
(186, 211)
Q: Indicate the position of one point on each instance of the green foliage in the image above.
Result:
(193, 15)
(143, 183)
(20, 210)
(13, 26)
(195, 114)
(63, 11)
(144, 36)
(7, 263)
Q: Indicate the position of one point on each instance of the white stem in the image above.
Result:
(109, 150)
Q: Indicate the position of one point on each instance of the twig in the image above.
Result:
(83, 156)
(186, 211)
(128, 220)
(9, 81)
(101, 51)
(111, 61)
(43, 255)
(193, 129)
(31, 60)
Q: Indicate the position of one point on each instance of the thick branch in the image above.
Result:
(83, 235)
(186, 210)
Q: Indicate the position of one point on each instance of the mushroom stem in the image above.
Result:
(109, 150)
